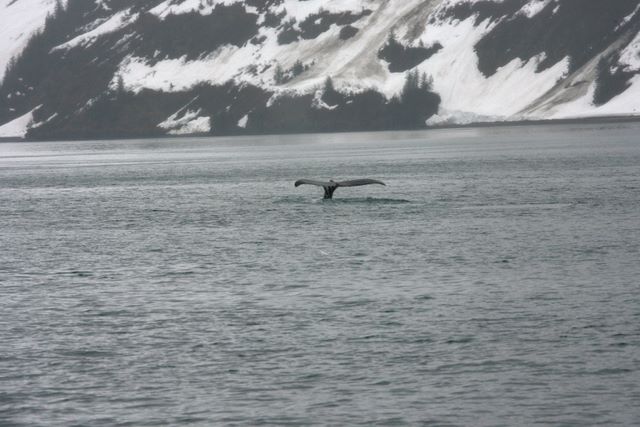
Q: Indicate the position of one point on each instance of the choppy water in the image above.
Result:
(494, 281)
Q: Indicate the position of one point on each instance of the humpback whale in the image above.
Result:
(331, 185)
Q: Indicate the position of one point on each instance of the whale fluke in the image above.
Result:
(357, 182)
(331, 185)
(311, 182)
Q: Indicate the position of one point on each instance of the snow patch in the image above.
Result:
(186, 122)
(203, 7)
(463, 88)
(171, 75)
(103, 5)
(300, 10)
(242, 123)
(319, 104)
(18, 127)
(36, 125)
(628, 18)
(534, 7)
(625, 104)
(116, 22)
(445, 117)
(630, 55)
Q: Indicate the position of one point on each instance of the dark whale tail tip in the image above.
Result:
(331, 185)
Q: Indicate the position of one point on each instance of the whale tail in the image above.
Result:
(331, 185)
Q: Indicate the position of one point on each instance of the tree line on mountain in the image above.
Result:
(344, 110)
(83, 95)
(128, 114)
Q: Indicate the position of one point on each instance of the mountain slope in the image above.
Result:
(19, 20)
(153, 67)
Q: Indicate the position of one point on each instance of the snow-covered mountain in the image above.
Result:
(102, 68)
(19, 21)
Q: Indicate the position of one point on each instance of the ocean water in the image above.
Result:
(495, 280)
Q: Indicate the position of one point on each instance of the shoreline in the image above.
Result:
(551, 122)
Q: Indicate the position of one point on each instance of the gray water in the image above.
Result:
(493, 281)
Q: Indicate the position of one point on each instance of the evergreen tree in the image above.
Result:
(329, 93)
(10, 66)
(416, 102)
(278, 74)
(120, 85)
(411, 84)
(426, 82)
(298, 68)
(328, 85)
(58, 9)
(602, 77)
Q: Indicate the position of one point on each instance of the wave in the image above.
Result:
(338, 200)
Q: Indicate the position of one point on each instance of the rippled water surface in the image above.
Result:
(493, 281)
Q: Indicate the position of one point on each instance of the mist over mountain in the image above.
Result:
(125, 68)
